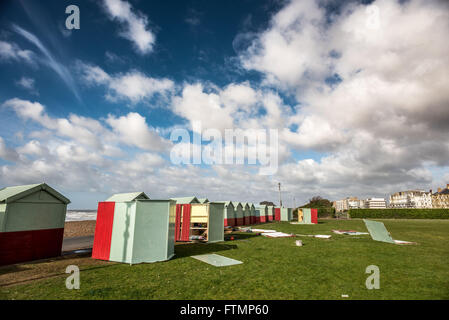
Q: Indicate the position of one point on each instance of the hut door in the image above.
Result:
(182, 223)
(277, 214)
(300, 215)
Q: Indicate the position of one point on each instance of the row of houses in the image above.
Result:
(418, 199)
(355, 203)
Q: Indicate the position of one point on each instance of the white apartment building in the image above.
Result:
(348, 203)
(411, 199)
(375, 203)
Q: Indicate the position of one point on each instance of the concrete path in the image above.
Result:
(75, 243)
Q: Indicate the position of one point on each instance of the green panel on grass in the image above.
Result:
(217, 260)
(378, 231)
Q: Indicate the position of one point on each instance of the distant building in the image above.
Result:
(411, 199)
(440, 199)
(375, 203)
(348, 203)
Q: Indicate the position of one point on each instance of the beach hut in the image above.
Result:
(307, 216)
(228, 213)
(206, 222)
(246, 213)
(32, 221)
(270, 212)
(261, 214)
(253, 213)
(203, 200)
(199, 221)
(286, 214)
(134, 230)
(238, 213)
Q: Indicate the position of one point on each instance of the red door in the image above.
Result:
(185, 232)
(103, 230)
(314, 217)
(277, 214)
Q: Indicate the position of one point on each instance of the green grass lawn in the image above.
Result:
(277, 268)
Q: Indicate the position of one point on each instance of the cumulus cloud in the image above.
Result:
(11, 51)
(386, 115)
(133, 86)
(131, 129)
(27, 84)
(134, 24)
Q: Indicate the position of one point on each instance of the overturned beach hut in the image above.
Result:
(261, 214)
(307, 216)
(132, 229)
(32, 221)
(238, 213)
(228, 213)
(246, 213)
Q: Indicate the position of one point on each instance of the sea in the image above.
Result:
(81, 215)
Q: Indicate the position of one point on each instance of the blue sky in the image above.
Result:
(345, 83)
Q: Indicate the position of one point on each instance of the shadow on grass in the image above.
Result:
(12, 269)
(192, 249)
(240, 235)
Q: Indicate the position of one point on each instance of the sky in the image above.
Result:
(357, 91)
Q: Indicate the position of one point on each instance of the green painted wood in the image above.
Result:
(123, 232)
(378, 231)
(186, 200)
(216, 222)
(238, 210)
(15, 193)
(217, 260)
(143, 231)
(130, 196)
(34, 216)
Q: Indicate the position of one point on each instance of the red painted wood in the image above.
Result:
(277, 214)
(246, 220)
(263, 218)
(103, 230)
(178, 222)
(314, 217)
(185, 232)
(21, 246)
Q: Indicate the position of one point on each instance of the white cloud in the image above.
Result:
(11, 51)
(28, 84)
(133, 86)
(133, 130)
(60, 69)
(134, 24)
